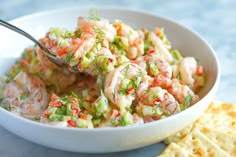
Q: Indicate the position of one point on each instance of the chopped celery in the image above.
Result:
(104, 63)
(24, 96)
(120, 45)
(65, 118)
(61, 110)
(125, 85)
(187, 100)
(147, 46)
(81, 123)
(162, 34)
(55, 31)
(60, 32)
(85, 62)
(69, 34)
(182, 106)
(52, 110)
(69, 57)
(64, 100)
(62, 42)
(122, 59)
(96, 121)
(101, 104)
(153, 68)
(55, 117)
(126, 119)
(68, 109)
(176, 54)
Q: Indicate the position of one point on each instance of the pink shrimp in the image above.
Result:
(187, 70)
(181, 92)
(84, 44)
(160, 47)
(135, 41)
(73, 47)
(162, 99)
(122, 83)
(101, 24)
(154, 65)
(44, 61)
(26, 95)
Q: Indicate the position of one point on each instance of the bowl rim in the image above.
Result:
(122, 128)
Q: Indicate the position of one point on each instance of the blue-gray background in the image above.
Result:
(215, 20)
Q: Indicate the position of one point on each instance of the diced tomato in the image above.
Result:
(27, 59)
(82, 115)
(42, 41)
(109, 61)
(157, 31)
(56, 104)
(62, 51)
(199, 70)
(155, 117)
(46, 115)
(71, 123)
(150, 52)
(118, 114)
(22, 63)
(75, 108)
(158, 100)
(130, 89)
(53, 97)
(156, 82)
(115, 113)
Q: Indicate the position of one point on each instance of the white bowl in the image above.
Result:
(106, 139)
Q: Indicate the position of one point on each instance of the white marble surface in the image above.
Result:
(214, 20)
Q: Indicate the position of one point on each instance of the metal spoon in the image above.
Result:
(50, 56)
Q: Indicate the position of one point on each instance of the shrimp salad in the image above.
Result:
(126, 77)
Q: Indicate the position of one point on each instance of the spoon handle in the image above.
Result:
(20, 31)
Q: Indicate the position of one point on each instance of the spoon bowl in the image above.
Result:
(50, 56)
